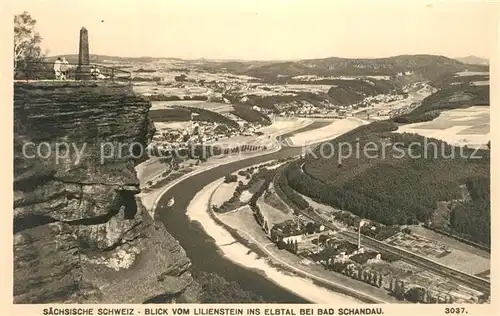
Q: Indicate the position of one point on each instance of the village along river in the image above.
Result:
(200, 247)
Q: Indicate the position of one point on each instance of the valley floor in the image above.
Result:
(283, 268)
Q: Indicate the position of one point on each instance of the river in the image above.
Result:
(200, 247)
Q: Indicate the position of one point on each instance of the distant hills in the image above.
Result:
(73, 58)
(422, 67)
(473, 60)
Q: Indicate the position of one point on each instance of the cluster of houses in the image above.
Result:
(287, 231)
(380, 98)
(322, 247)
(199, 133)
(405, 73)
(307, 110)
(313, 241)
(196, 133)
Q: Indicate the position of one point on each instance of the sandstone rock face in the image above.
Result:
(81, 236)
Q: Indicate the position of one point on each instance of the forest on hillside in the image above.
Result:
(472, 219)
(346, 92)
(247, 113)
(185, 114)
(399, 190)
(455, 92)
(427, 67)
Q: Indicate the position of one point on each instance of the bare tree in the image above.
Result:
(26, 39)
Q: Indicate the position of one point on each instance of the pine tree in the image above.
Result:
(399, 289)
(374, 278)
(430, 298)
(380, 280)
(426, 296)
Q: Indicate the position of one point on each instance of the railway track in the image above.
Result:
(469, 280)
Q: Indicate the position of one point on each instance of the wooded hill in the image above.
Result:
(389, 186)
(425, 67)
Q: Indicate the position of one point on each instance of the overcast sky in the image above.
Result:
(270, 29)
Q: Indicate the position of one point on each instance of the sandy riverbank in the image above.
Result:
(239, 254)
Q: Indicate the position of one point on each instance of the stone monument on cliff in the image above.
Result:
(83, 72)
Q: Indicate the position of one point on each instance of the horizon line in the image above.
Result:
(271, 60)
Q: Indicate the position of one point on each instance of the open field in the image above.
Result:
(184, 90)
(272, 200)
(466, 262)
(243, 140)
(461, 256)
(267, 93)
(223, 193)
(480, 83)
(281, 125)
(149, 169)
(306, 88)
(167, 73)
(449, 242)
(285, 89)
(459, 127)
(438, 251)
(336, 128)
(472, 73)
(166, 104)
(272, 215)
(318, 78)
(221, 108)
(182, 125)
(313, 126)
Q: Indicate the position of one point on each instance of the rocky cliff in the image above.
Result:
(81, 235)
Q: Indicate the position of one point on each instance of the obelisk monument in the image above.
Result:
(83, 56)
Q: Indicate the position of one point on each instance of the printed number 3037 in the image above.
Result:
(455, 310)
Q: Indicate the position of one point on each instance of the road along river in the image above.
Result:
(200, 247)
